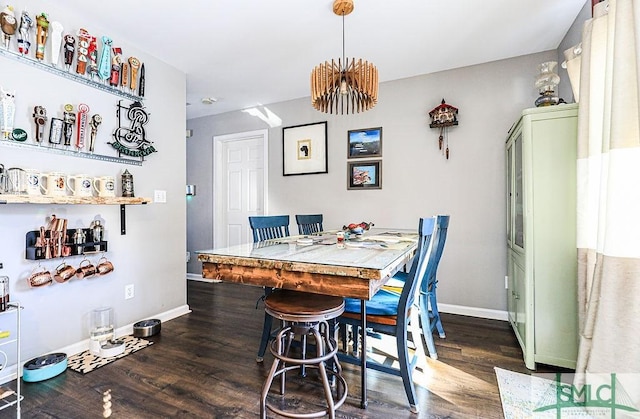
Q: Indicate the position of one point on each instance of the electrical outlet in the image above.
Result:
(128, 291)
(506, 282)
(188, 256)
(160, 196)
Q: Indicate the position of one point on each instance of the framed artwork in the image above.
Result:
(364, 174)
(304, 149)
(364, 143)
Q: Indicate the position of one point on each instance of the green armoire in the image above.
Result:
(541, 234)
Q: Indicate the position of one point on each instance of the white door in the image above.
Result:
(240, 185)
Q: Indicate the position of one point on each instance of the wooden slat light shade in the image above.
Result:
(360, 79)
(350, 86)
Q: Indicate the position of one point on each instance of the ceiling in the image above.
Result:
(247, 53)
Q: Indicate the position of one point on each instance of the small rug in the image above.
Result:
(551, 395)
(85, 362)
(521, 394)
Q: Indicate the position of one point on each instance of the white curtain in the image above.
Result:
(609, 188)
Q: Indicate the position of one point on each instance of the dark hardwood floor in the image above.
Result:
(202, 365)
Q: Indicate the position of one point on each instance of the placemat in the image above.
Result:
(85, 362)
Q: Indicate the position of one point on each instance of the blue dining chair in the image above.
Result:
(309, 224)
(267, 227)
(429, 314)
(395, 314)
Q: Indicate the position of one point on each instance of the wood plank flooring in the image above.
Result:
(202, 365)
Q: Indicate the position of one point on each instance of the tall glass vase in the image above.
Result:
(546, 81)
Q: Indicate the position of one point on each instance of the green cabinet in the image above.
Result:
(541, 235)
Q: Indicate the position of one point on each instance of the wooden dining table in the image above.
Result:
(317, 264)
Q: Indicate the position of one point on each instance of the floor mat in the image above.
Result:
(85, 362)
(552, 396)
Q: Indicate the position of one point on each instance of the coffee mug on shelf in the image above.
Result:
(80, 185)
(86, 269)
(40, 277)
(56, 184)
(105, 186)
(34, 180)
(64, 272)
(104, 266)
(17, 181)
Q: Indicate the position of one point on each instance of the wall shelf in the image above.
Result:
(76, 249)
(96, 84)
(69, 152)
(71, 200)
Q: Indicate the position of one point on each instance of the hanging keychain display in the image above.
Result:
(443, 116)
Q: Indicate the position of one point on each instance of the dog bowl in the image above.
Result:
(44, 367)
(146, 328)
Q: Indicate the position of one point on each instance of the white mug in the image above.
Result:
(56, 183)
(34, 180)
(105, 185)
(80, 185)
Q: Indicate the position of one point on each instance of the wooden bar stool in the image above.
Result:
(305, 314)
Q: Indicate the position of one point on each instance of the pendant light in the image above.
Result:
(348, 85)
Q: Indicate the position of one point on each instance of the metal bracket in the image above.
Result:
(123, 220)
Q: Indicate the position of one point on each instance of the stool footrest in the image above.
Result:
(341, 395)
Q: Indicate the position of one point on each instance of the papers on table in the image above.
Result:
(369, 244)
(392, 238)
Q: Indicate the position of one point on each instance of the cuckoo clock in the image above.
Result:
(443, 116)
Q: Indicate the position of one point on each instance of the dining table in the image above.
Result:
(357, 267)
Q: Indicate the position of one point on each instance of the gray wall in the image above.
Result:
(417, 180)
(152, 253)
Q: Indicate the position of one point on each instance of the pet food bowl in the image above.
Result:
(44, 367)
(146, 328)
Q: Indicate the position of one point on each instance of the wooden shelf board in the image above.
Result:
(86, 200)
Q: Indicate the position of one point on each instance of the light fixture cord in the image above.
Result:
(344, 62)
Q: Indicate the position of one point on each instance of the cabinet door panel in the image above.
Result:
(520, 282)
(518, 216)
(516, 296)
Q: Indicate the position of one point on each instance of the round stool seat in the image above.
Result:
(296, 306)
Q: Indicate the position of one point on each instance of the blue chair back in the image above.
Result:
(422, 266)
(269, 227)
(309, 224)
(442, 225)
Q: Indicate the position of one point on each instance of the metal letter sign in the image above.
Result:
(132, 141)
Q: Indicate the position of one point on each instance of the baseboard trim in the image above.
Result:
(485, 313)
(199, 278)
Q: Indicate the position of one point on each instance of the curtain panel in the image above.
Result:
(608, 170)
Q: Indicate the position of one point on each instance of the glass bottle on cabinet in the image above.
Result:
(541, 243)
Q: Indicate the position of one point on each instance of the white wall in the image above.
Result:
(417, 180)
(152, 253)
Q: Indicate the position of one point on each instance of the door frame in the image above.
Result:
(219, 166)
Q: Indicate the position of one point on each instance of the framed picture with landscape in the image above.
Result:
(364, 174)
(304, 149)
(364, 143)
